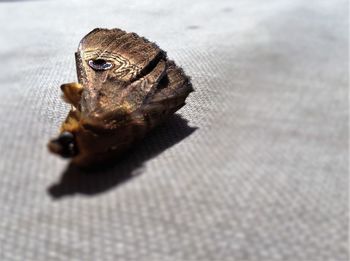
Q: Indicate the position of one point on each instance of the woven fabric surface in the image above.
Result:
(253, 168)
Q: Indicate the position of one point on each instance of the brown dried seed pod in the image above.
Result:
(126, 87)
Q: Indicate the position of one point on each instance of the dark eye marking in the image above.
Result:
(64, 145)
(100, 64)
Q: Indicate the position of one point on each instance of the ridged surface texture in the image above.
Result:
(253, 168)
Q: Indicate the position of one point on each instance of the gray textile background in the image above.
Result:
(259, 171)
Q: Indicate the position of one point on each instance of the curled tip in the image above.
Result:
(63, 145)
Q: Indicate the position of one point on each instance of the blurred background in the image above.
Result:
(254, 167)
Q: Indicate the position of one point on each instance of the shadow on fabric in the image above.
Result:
(75, 180)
